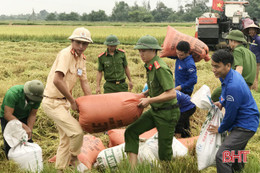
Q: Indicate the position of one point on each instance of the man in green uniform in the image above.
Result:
(114, 64)
(21, 102)
(244, 60)
(164, 113)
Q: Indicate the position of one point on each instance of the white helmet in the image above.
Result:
(81, 34)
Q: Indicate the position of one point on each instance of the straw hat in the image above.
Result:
(246, 30)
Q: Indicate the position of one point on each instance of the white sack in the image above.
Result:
(14, 133)
(28, 156)
(202, 98)
(208, 145)
(111, 157)
(178, 148)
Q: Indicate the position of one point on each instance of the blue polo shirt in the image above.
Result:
(185, 73)
(255, 46)
(184, 101)
(240, 106)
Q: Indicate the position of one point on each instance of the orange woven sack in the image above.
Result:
(116, 136)
(199, 49)
(98, 113)
(90, 149)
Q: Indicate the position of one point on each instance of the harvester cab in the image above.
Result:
(211, 28)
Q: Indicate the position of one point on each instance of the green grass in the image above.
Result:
(27, 60)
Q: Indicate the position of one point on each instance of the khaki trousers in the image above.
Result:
(70, 131)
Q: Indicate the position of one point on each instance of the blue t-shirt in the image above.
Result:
(185, 73)
(182, 99)
(240, 106)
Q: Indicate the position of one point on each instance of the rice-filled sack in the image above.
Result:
(98, 113)
(198, 49)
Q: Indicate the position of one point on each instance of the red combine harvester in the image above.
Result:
(211, 28)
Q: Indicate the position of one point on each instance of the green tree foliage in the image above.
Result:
(42, 15)
(97, 16)
(72, 16)
(195, 9)
(161, 12)
(120, 11)
(140, 14)
(62, 16)
(253, 8)
(51, 17)
(84, 17)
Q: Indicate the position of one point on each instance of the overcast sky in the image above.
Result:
(14, 7)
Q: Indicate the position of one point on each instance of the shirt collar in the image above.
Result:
(74, 53)
(151, 63)
(228, 77)
(107, 52)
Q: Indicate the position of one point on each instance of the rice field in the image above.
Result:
(127, 35)
(27, 53)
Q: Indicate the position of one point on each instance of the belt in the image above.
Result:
(243, 129)
(63, 98)
(117, 81)
(166, 108)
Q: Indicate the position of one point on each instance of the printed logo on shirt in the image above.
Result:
(222, 99)
(230, 98)
(180, 68)
(191, 70)
(178, 92)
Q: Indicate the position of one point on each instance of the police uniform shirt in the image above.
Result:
(113, 66)
(15, 98)
(240, 106)
(186, 74)
(159, 80)
(71, 65)
(245, 58)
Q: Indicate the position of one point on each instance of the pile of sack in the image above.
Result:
(93, 152)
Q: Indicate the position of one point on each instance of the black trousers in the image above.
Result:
(236, 140)
(3, 125)
(183, 125)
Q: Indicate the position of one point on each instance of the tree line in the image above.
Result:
(122, 12)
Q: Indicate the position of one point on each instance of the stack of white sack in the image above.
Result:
(207, 144)
(27, 155)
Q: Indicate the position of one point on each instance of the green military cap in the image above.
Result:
(147, 42)
(236, 35)
(112, 40)
(34, 90)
